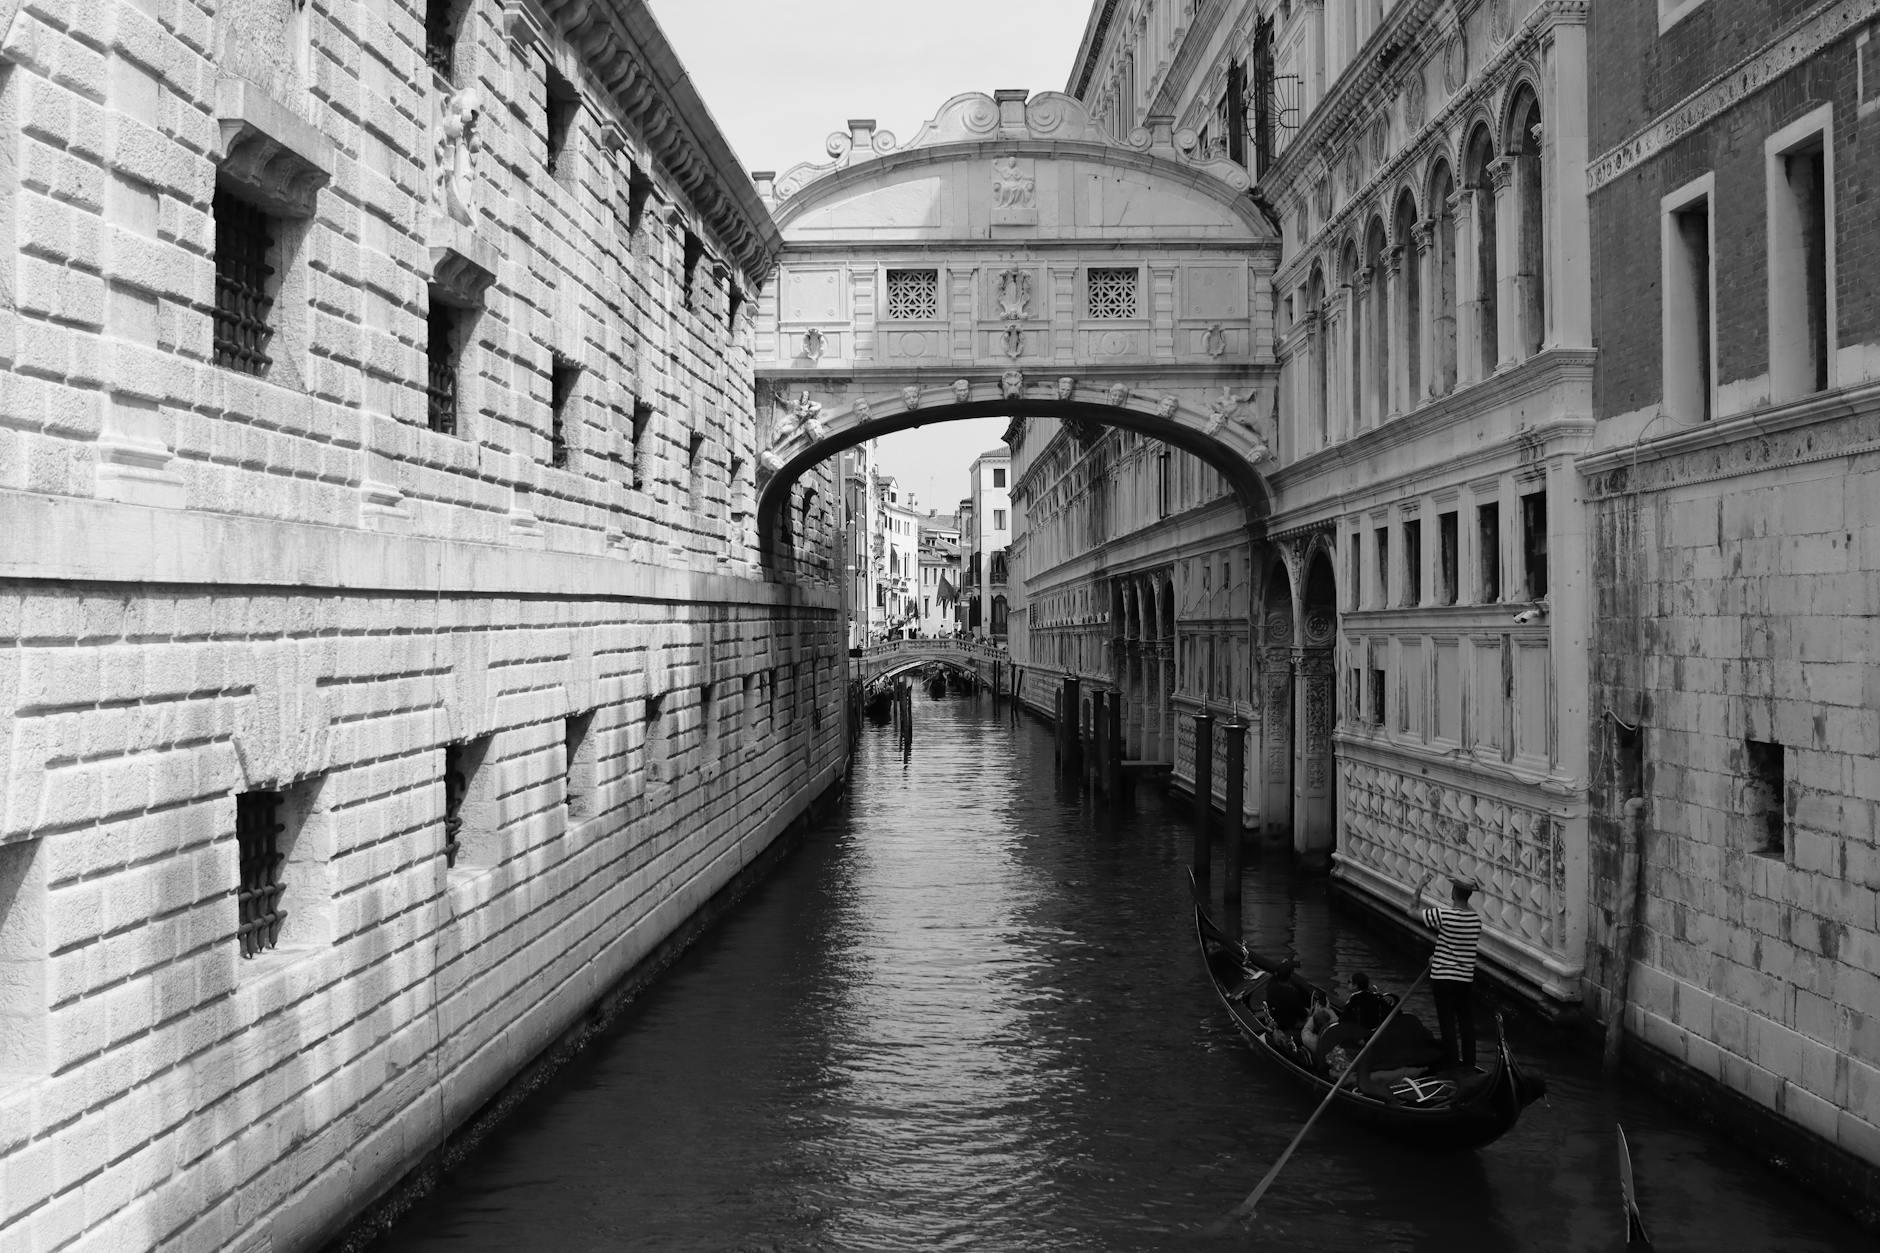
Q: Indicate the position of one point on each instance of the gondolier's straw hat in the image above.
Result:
(1465, 883)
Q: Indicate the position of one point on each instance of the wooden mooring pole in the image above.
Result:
(1232, 832)
(1116, 785)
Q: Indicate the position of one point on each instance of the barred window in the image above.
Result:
(1112, 292)
(564, 103)
(258, 830)
(466, 803)
(244, 237)
(441, 21)
(914, 294)
(563, 374)
(441, 353)
(456, 787)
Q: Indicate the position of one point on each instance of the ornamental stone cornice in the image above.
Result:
(274, 158)
(623, 50)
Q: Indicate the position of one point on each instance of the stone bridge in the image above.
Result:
(1014, 260)
(991, 664)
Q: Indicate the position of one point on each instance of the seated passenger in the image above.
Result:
(1288, 999)
(1317, 1023)
(1367, 1007)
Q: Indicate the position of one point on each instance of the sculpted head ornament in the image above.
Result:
(1065, 386)
(1119, 394)
(962, 389)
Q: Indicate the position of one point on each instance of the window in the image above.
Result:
(914, 295)
(564, 104)
(442, 350)
(1412, 563)
(656, 751)
(998, 519)
(1447, 568)
(1164, 485)
(258, 831)
(1112, 293)
(1801, 244)
(1376, 710)
(463, 763)
(578, 763)
(563, 373)
(642, 453)
(1381, 549)
(639, 190)
(1534, 542)
(1689, 321)
(998, 477)
(708, 728)
(442, 18)
(694, 253)
(1488, 553)
(1672, 11)
(1764, 798)
(244, 289)
(23, 960)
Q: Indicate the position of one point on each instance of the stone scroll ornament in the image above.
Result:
(453, 169)
(1015, 295)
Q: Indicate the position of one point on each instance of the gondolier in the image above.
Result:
(1458, 931)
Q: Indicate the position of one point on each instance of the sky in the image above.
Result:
(780, 75)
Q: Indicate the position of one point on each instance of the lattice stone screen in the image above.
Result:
(1112, 293)
(914, 294)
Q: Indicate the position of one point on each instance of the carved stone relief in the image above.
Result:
(1455, 64)
(1414, 104)
(453, 153)
(1015, 295)
(1012, 385)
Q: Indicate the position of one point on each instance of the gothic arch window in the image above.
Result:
(1377, 321)
(1442, 293)
(1410, 302)
(1530, 255)
(1315, 306)
(1478, 186)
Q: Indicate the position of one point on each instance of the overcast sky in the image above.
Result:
(780, 75)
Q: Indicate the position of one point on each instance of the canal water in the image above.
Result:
(967, 1013)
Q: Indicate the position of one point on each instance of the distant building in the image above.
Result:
(898, 574)
(939, 573)
(986, 537)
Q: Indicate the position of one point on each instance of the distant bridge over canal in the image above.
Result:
(990, 663)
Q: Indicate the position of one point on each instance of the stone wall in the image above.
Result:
(299, 595)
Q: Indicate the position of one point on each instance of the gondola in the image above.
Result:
(1401, 1088)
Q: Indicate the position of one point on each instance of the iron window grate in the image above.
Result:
(563, 374)
(914, 294)
(244, 236)
(440, 389)
(258, 911)
(1112, 293)
(456, 786)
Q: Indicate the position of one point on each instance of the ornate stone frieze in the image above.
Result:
(1405, 825)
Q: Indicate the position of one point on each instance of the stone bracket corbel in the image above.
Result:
(463, 266)
(269, 154)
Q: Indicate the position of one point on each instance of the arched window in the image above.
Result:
(1530, 276)
(1377, 322)
(1478, 187)
(1409, 328)
(1442, 293)
(1350, 358)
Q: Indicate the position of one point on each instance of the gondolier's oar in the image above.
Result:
(1246, 1208)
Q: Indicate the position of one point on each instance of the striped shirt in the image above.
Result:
(1458, 931)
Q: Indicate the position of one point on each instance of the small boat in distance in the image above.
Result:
(1400, 1087)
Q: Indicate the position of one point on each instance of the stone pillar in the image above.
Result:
(1507, 263)
(1337, 365)
(1276, 737)
(1364, 375)
(1235, 765)
(1309, 362)
(1468, 294)
(1314, 76)
(1165, 686)
(1423, 248)
(1204, 801)
(1397, 334)
(1314, 832)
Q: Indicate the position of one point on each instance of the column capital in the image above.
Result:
(1501, 173)
(1423, 234)
(1459, 202)
(1393, 255)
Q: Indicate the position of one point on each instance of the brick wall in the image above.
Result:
(213, 584)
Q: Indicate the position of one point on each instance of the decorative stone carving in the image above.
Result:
(1015, 295)
(1414, 105)
(453, 156)
(862, 410)
(813, 344)
(1455, 63)
(1014, 341)
(1166, 407)
(1014, 193)
(770, 460)
(962, 390)
(1216, 341)
(910, 396)
(1066, 386)
(1379, 140)
(1012, 385)
(1498, 24)
(1354, 171)
(1322, 198)
(1119, 394)
(1224, 407)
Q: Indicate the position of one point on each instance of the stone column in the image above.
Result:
(1396, 285)
(1276, 738)
(1314, 823)
(1507, 264)
(1364, 374)
(1468, 297)
(1429, 319)
(1314, 56)
(1308, 361)
(1165, 685)
(1337, 317)
(1568, 251)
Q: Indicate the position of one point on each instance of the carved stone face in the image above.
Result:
(1167, 407)
(861, 409)
(1065, 386)
(962, 389)
(910, 396)
(1118, 394)
(1012, 385)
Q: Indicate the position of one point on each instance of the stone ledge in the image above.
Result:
(463, 266)
(270, 154)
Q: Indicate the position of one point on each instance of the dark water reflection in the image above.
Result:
(968, 1014)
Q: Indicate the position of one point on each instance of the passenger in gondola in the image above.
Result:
(1318, 1021)
(1366, 1007)
(1288, 1000)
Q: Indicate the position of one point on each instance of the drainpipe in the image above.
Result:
(1624, 920)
